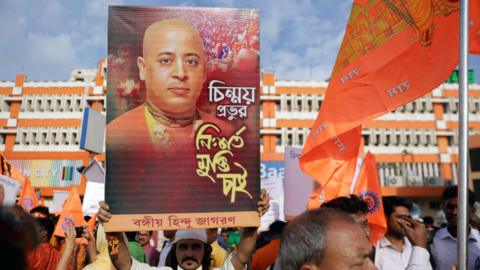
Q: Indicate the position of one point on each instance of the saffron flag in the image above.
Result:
(392, 53)
(367, 186)
(28, 198)
(71, 214)
(338, 184)
(474, 26)
(9, 170)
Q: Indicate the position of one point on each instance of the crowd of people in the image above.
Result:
(334, 236)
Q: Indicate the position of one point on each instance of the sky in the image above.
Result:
(46, 39)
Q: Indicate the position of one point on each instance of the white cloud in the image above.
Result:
(48, 54)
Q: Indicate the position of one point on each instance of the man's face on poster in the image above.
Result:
(172, 66)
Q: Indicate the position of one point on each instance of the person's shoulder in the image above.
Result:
(440, 233)
(127, 119)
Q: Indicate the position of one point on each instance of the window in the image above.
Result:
(278, 140)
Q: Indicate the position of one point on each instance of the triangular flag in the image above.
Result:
(28, 198)
(7, 169)
(367, 186)
(71, 213)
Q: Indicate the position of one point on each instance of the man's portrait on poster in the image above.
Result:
(182, 115)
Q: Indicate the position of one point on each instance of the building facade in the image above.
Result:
(415, 146)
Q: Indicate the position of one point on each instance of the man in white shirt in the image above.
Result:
(167, 246)
(444, 245)
(394, 251)
(190, 250)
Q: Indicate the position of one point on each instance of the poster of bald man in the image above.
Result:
(182, 141)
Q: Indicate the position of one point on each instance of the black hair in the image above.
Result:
(41, 209)
(452, 192)
(390, 202)
(304, 239)
(276, 228)
(428, 220)
(350, 205)
(172, 262)
(45, 224)
(18, 236)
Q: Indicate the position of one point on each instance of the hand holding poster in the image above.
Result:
(182, 132)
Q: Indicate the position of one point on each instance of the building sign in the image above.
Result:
(50, 173)
(454, 78)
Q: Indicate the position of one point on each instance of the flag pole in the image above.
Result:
(463, 135)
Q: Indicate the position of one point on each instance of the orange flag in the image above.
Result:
(475, 26)
(28, 198)
(337, 185)
(391, 54)
(71, 213)
(9, 170)
(367, 186)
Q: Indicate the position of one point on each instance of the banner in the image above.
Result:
(95, 188)
(392, 53)
(10, 188)
(50, 173)
(182, 141)
(298, 185)
(59, 198)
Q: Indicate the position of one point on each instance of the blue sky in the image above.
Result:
(46, 39)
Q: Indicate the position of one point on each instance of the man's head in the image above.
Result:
(324, 239)
(143, 237)
(40, 212)
(276, 229)
(212, 235)
(45, 228)
(396, 208)
(449, 201)
(190, 250)
(172, 66)
(18, 236)
(169, 234)
(354, 206)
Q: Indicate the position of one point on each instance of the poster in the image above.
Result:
(298, 186)
(182, 141)
(95, 188)
(271, 179)
(59, 197)
(10, 188)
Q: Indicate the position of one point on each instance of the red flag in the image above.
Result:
(28, 197)
(367, 187)
(72, 213)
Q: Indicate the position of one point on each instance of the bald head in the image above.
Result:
(171, 28)
(172, 67)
